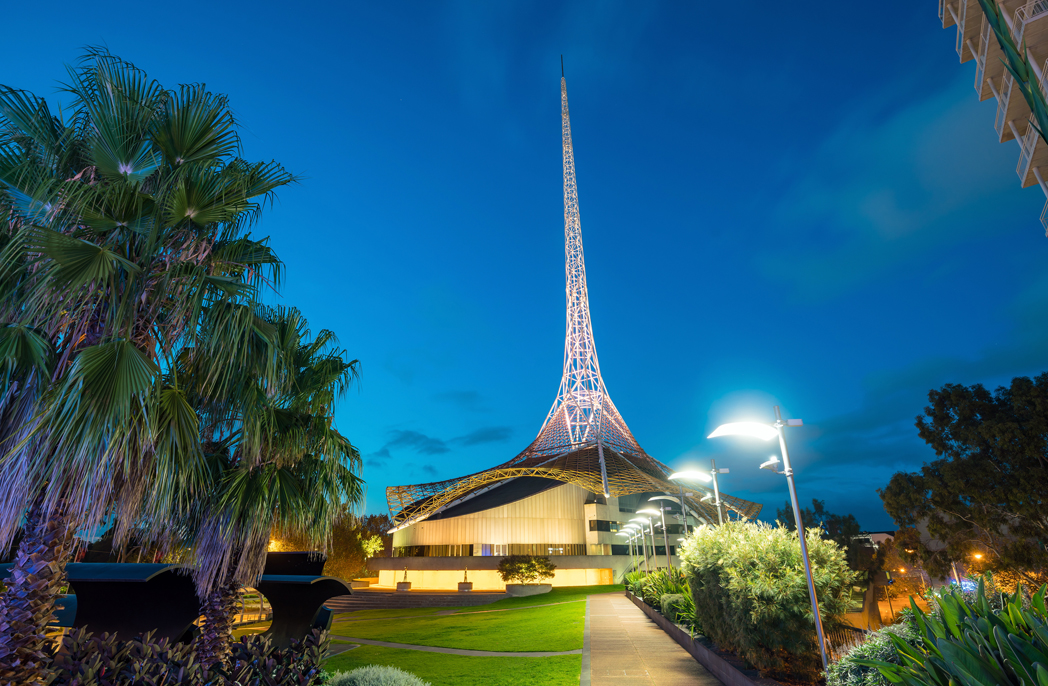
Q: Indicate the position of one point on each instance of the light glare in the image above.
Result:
(751, 429)
(692, 475)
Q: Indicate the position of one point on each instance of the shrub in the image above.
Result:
(635, 582)
(670, 604)
(751, 593)
(375, 675)
(88, 660)
(877, 646)
(525, 569)
(970, 643)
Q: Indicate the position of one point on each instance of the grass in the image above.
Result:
(458, 670)
(564, 594)
(554, 628)
(383, 614)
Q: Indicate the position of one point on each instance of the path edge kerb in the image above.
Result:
(718, 666)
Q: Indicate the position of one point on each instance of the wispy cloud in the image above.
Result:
(491, 434)
(880, 190)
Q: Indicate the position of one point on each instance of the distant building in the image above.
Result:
(568, 494)
(1027, 21)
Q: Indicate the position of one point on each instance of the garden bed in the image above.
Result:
(731, 670)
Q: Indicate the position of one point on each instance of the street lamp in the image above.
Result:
(680, 478)
(697, 475)
(665, 535)
(629, 542)
(683, 508)
(768, 432)
(643, 547)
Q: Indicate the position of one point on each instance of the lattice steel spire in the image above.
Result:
(583, 413)
(584, 440)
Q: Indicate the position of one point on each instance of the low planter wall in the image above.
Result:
(528, 589)
(729, 674)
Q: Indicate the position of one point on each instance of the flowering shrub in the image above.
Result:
(751, 592)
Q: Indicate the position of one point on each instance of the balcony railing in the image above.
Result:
(1001, 123)
(942, 11)
(960, 28)
(1027, 145)
(1044, 219)
(980, 59)
(1027, 13)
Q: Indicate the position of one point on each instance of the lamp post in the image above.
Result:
(629, 542)
(661, 512)
(673, 499)
(699, 475)
(767, 433)
(643, 546)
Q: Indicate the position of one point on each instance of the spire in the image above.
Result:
(583, 414)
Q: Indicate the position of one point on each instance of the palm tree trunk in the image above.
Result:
(27, 606)
(218, 609)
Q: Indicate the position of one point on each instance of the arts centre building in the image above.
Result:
(567, 494)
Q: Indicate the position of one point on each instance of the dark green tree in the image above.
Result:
(989, 487)
(840, 529)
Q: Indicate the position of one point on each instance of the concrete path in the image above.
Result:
(622, 647)
(450, 651)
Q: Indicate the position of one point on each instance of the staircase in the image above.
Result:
(372, 599)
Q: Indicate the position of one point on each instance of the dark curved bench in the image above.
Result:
(128, 599)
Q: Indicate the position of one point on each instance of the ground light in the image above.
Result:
(767, 432)
(661, 512)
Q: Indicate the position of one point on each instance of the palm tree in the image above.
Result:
(275, 461)
(126, 240)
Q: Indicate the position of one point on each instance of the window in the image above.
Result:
(603, 525)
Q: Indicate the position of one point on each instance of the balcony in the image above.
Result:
(1014, 111)
(1033, 152)
(1027, 13)
(967, 31)
(945, 15)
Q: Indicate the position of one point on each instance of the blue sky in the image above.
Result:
(804, 208)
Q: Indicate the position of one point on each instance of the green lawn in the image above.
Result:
(551, 622)
(383, 614)
(457, 670)
(554, 628)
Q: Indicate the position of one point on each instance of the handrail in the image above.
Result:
(1027, 13)
(980, 59)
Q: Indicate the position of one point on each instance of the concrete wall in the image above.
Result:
(445, 572)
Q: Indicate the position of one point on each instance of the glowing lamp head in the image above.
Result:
(750, 429)
(649, 511)
(977, 556)
(692, 475)
(644, 520)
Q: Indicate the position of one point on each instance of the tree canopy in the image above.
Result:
(988, 488)
(840, 529)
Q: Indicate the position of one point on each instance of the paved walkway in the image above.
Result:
(624, 648)
(451, 651)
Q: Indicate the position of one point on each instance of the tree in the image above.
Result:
(840, 529)
(299, 477)
(354, 540)
(125, 239)
(988, 489)
(525, 569)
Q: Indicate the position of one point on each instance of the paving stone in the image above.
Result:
(625, 648)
